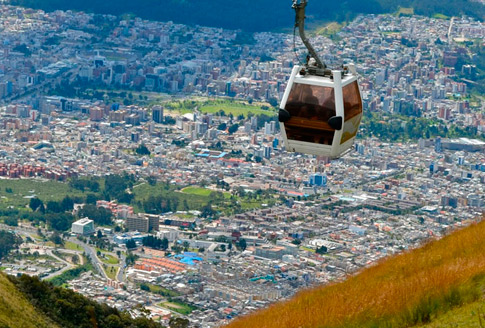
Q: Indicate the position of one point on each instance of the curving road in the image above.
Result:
(90, 253)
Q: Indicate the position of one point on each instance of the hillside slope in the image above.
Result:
(263, 15)
(403, 291)
(16, 311)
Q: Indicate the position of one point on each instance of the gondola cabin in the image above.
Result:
(320, 115)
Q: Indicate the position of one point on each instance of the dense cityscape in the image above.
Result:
(162, 143)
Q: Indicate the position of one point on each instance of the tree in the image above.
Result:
(131, 258)
(273, 102)
(233, 128)
(35, 204)
(91, 199)
(100, 216)
(130, 244)
(60, 221)
(75, 259)
(178, 323)
(242, 244)
(221, 239)
(151, 180)
(67, 204)
(164, 244)
(222, 127)
(54, 207)
(11, 221)
(142, 150)
(321, 250)
(56, 238)
(8, 241)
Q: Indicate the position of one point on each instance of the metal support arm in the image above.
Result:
(300, 23)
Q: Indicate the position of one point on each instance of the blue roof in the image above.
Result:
(192, 254)
(190, 260)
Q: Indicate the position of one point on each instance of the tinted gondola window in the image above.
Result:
(352, 111)
(310, 107)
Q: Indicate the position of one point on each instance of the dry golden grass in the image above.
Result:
(397, 292)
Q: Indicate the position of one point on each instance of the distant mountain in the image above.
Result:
(441, 284)
(261, 15)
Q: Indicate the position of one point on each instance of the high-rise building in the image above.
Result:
(269, 127)
(437, 145)
(135, 136)
(201, 128)
(143, 222)
(267, 152)
(318, 179)
(96, 114)
(157, 114)
(137, 223)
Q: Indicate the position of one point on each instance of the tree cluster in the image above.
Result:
(155, 242)
(142, 150)
(8, 241)
(160, 204)
(72, 310)
(116, 187)
(101, 215)
(84, 184)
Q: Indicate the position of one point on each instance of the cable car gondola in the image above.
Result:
(321, 109)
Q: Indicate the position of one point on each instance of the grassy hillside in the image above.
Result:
(469, 316)
(65, 307)
(414, 288)
(16, 311)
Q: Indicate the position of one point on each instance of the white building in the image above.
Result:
(83, 226)
(170, 234)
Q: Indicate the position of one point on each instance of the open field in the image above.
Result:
(197, 191)
(179, 307)
(195, 202)
(161, 291)
(235, 108)
(407, 290)
(24, 189)
(405, 11)
(108, 258)
(330, 29)
(111, 271)
(72, 246)
(440, 16)
(200, 191)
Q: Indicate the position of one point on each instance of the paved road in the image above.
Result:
(121, 269)
(68, 265)
(91, 253)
